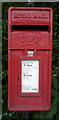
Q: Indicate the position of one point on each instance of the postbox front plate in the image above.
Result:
(29, 58)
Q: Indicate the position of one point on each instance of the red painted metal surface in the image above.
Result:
(29, 29)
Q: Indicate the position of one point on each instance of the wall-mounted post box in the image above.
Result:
(29, 58)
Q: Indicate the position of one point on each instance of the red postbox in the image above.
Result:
(29, 58)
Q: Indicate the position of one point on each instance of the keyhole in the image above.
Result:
(17, 78)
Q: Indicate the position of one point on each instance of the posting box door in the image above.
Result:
(30, 78)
